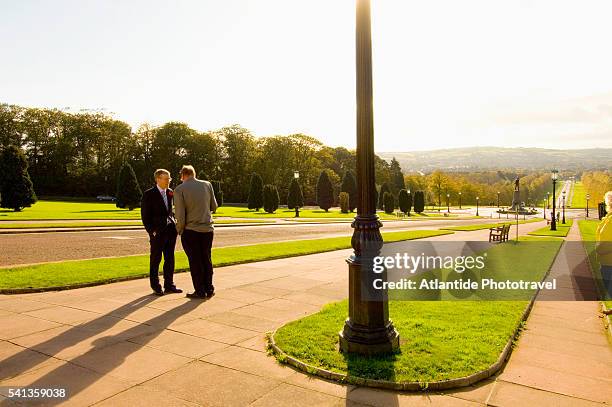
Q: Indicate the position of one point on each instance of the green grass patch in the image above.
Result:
(439, 340)
(587, 231)
(562, 230)
(103, 270)
(69, 210)
(579, 196)
(469, 228)
(51, 225)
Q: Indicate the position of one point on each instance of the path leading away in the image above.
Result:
(116, 345)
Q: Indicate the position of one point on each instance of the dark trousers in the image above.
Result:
(162, 244)
(197, 247)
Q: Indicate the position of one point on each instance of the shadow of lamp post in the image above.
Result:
(368, 329)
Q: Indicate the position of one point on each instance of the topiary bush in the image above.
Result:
(389, 201)
(344, 202)
(270, 198)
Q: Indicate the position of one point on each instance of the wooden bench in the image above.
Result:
(499, 233)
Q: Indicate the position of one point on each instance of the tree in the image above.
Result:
(325, 192)
(349, 185)
(439, 182)
(381, 196)
(17, 189)
(389, 200)
(397, 177)
(419, 201)
(295, 198)
(270, 198)
(129, 193)
(255, 192)
(344, 202)
(405, 201)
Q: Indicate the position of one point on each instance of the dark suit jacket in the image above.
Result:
(153, 210)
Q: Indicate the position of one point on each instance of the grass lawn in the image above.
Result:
(51, 225)
(468, 228)
(439, 340)
(587, 230)
(110, 269)
(71, 210)
(562, 230)
(579, 197)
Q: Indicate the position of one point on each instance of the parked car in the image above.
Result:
(106, 198)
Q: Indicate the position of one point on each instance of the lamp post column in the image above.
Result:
(368, 329)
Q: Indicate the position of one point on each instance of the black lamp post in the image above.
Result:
(588, 196)
(497, 199)
(544, 208)
(548, 200)
(296, 175)
(448, 203)
(368, 329)
(553, 219)
(459, 199)
(563, 198)
(477, 199)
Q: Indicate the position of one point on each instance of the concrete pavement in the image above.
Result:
(117, 345)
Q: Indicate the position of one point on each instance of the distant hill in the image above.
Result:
(491, 158)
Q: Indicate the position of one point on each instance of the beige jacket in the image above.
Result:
(194, 203)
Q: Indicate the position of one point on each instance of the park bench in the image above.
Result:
(499, 233)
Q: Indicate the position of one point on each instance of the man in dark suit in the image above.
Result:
(158, 219)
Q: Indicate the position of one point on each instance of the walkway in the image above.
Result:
(116, 345)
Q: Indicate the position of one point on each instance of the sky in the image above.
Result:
(447, 74)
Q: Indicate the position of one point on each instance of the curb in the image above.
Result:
(465, 381)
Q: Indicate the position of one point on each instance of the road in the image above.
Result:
(29, 248)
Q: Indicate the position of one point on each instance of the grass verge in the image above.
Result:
(562, 230)
(63, 225)
(587, 231)
(439, 340)
(104, 270)
(469, 228)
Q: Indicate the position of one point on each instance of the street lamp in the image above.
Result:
(544, 208)
(459, 199)
(548, 200)
(553, 221)
(588, 196)
(368, 329)
(448, 203)
(497, 199)
(477, 199)
(563, 219)
(296, 175)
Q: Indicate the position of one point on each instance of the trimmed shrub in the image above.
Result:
(389, 202)
(419, 201)
(325, 192)
(255, 200)
(381, 196)
(129, 193)
(270, 198)
(349, 185)
(344, 202)
(16, 189)
(295, 198)
(405, 201)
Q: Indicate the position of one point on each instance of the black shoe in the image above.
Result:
(196, 296)
(173, 290)
(158, 292)
(210, 294)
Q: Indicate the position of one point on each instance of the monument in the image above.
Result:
(517, 205)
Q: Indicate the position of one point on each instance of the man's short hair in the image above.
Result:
(161, 171)
(188, 171)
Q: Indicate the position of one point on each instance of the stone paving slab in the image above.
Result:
(116, 345)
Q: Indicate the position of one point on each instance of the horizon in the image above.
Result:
(457, 79)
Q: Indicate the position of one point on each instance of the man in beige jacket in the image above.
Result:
(194, 203)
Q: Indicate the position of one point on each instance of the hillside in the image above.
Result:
(486, 158)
